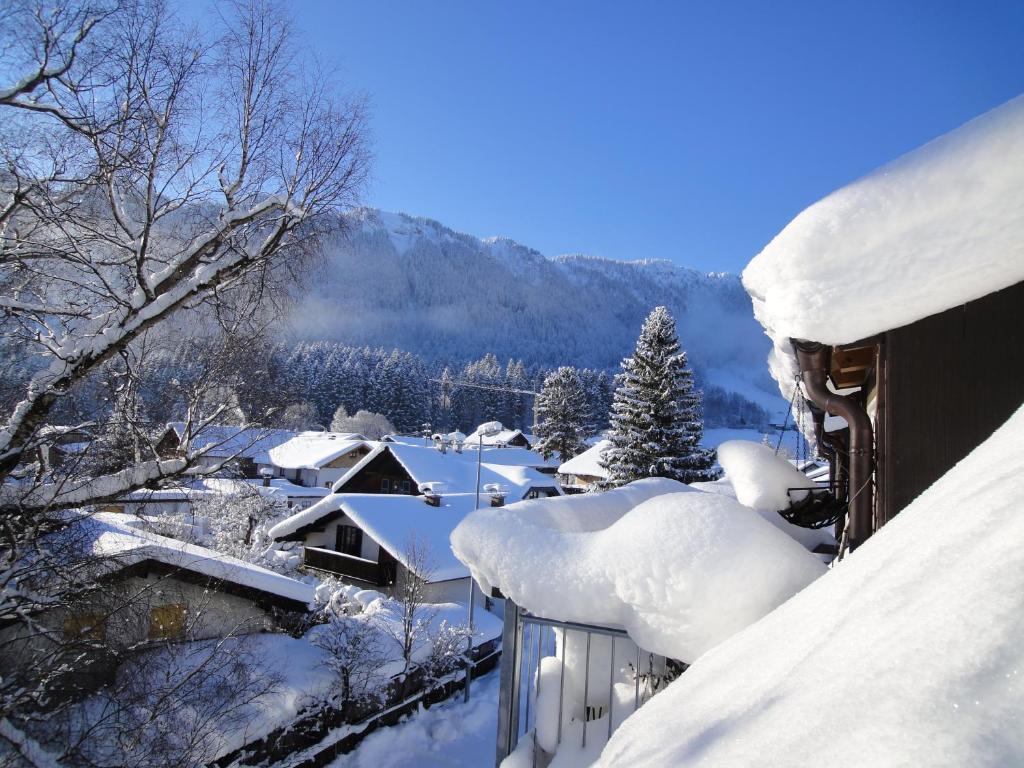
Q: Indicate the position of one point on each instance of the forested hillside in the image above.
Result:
(391, 280)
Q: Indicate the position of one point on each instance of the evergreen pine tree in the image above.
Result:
(561, 414)
(656, 420)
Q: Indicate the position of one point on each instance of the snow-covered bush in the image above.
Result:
(447, 648)
(367, 423)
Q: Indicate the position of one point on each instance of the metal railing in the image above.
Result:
(595, 673)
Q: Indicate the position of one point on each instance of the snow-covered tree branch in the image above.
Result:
(150, 169)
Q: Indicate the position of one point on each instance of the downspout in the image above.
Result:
(813, 359)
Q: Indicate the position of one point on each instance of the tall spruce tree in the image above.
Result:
(656, 420)
(561, 414)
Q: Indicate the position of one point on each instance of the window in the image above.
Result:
(167, 621)
(540, 493)
(385, 485)
(82, 626)
(349, 540)
(406, 486)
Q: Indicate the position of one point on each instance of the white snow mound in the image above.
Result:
(759, 477)
(908, 653)
(680, 570)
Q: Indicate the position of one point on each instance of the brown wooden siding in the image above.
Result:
(949, 381)
(384, 467)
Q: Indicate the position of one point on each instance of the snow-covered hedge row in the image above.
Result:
(679, 569)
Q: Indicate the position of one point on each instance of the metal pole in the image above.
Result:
(472, 584)
(586, 692)
(611, 688)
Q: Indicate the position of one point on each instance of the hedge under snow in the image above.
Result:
(679, 569)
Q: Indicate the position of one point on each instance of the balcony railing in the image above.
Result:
(567, 685)
(344, 565)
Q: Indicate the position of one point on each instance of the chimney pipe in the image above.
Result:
(813, 359)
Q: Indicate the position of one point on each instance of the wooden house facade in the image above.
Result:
(916, 400)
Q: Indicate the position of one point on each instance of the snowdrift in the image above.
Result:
(679, 569)
(908, 653)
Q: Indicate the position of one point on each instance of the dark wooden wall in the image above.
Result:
(950, 380)
(369, 478)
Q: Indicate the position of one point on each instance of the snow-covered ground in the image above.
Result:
(451, 734)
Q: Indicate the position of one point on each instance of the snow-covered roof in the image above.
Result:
(493, 433)
(457, 471)
(112, 537)
(515, 455)
(312, 450)
(391, 519)
(289, 489)
(191, 489)
(941, 226)
(908, 652)
(678, 568)
(223, 440)
(588, 463)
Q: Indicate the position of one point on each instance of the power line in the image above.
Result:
(491, 387)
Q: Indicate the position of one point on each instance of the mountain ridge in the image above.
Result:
(395, 280)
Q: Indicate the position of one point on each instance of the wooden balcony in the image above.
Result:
(344, 565)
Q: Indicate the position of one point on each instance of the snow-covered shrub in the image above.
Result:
(175, 705)
(447, 648)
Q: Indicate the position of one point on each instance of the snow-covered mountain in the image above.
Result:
(394, 280)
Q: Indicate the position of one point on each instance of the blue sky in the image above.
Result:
(685, 131)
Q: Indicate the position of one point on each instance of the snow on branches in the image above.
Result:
(656, 417)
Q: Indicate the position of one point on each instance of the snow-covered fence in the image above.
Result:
(566, 686)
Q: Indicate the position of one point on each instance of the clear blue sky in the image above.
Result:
(685, 131)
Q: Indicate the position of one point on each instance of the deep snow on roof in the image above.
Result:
(587, 463)
(907, 653)
(941, 226)
(513, 455)
(312, 450)
(493, 433)
(393, 520)
(458, 471)
(112, 538)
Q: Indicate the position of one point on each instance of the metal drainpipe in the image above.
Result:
(813, 359)
(824, 448)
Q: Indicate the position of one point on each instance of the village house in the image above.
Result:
(234, 451)
(419, 493)
(152, 588)
(376, 540)
(314, 459)
(585, 472)
(403, 468)
(494, 434)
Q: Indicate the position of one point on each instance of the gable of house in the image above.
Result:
(381, 474)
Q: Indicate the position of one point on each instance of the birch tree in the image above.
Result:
(152, 175)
